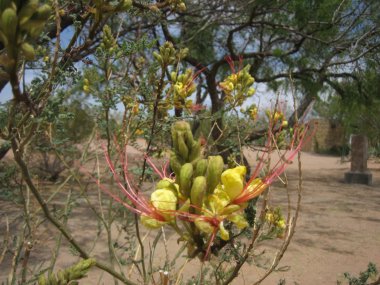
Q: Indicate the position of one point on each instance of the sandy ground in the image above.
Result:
(338, 230)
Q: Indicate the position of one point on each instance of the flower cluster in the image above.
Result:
(202, 196)
(183, 88)
(237, 87)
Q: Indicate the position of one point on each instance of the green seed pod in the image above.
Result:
(28, 51)
(214, 171)
(195, 151)
(201, 167)
(182, 148)
(9, 23)
(185, 179)
(27, 11)
(198, 191)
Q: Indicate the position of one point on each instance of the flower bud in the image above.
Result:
(214, 170)
(127, 4)
(168, 184)
(175, 164)
(27, 11)
(198, 191)
(9, 23)
(28, 51)
(201, 167)
(43, 12)
(182, 148)
(185, 179)
(195, 151)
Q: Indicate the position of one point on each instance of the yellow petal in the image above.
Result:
(233, 181)
(150, 222)
(224, 234)
(165, 201)
(218, 201)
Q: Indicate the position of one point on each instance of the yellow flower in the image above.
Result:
(165, 201)
(281, 224)
(224, 234)
(269, 217)
(86, 88)
(139, 132)
(233, 181)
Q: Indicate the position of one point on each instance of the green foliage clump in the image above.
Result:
(364, 277)
(69, 275)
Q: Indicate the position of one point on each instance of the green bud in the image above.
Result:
(158, 57)
(189, 139)
(9, 23)
(185, 179)
(167, 184)
(175, 164)
(201, 167)
(182, 148)
(195, 151)
(214, 171)
(28, 51)
(181, 126)
(173, 76)
(42, 280)
(61, 277)
(27, 11)
(127, 4)
(198, 191)
(42, 13)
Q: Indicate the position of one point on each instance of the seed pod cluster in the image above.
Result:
(20, 23)
(69, 275)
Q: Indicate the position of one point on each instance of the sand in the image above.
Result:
(338, 230)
